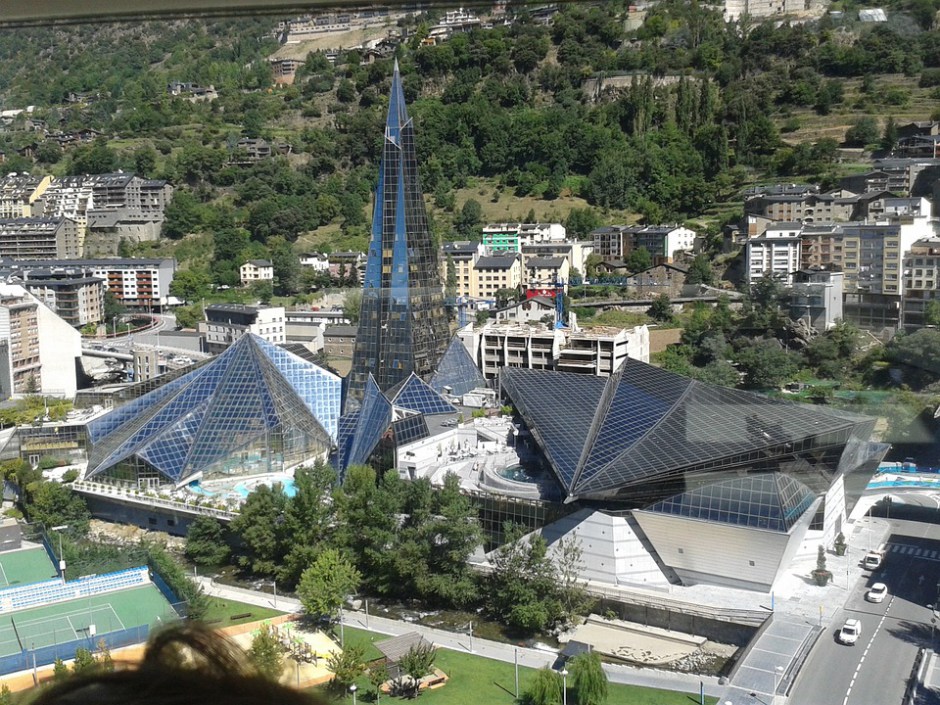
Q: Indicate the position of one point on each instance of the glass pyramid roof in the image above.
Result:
(373, 419)
(645, 424)
(416, 395)
(457, 371)
(251, 390)
(771, 501)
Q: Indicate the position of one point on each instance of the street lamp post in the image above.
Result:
(564, 686)
(59, 530)
(353, 689)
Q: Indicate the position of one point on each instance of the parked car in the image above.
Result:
(877, 592)
(872, 560)
(850, 632)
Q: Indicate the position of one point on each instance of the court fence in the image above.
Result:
(45, 655)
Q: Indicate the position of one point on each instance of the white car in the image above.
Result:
(850, 631)
(877, 592)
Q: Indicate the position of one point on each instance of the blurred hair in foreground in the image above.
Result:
(182, 664)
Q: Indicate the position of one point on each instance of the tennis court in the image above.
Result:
(69, 621)
(25, 566)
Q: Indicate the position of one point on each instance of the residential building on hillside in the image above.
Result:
(663, 242)
(39, 352)
(816, 297)
(39, 238)
(736, 9)
(659, 279)
(576, 251)
(543, 274)
(464, 255)
(255, 270)
(922, 281)
(900, 176)
(919, 147)
(501, 270)
(77, 300)
(317, 261)
(510, 237)
(18, 193)
(351, 265)
(774, 254)
(136, 283)
(225, 324)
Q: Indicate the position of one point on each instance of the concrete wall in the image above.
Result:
(60, 346)
(153, 518)
(722, 554)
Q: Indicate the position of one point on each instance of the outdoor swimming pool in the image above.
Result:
(518, 473)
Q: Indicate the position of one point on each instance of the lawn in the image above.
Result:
(221, 612)
(474, 679)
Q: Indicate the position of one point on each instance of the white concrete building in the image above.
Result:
(226, 323)
(257, 270)
(776, 253)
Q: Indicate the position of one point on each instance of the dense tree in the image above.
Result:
(700, 271)
(346, 665)
(522, 586)
(54, 504)
(639, 260)
(182, 215)
(266, 654)
(545, 689)
(863, 132)
(260, 526)
(327, 583)
(661, 308)
(765, 364)
(205, 542)
(588, 679)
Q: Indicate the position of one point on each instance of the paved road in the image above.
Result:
(877, 668)
(533, 658)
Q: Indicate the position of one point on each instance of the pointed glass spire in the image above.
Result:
(403, 326)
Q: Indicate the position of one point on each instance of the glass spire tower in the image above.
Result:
(403, 326)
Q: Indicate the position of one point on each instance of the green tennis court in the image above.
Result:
(29, 565)
(68, 621)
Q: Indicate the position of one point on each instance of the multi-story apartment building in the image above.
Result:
(576, 251)
(121, 204)
(39, 238)
(510, 237)
(497, 345)
(18, 193)
(602, 349)
(816, 297)
(870, 255)
(464, 255)
(77, 300)
(542, 274)
(537, 345)
(38, 350)
(137, 283)
(501, 270)
(776, 253)
(921, 281)
(256, 270)
(226, 323)
(663, 242)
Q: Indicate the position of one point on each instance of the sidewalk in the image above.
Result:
(532, 658)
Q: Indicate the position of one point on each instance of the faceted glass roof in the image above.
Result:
(373, 419)
(252, 391)
(771, 501)
(644, 424)
(416, 395)
(457, 371)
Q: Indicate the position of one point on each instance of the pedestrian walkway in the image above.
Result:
(508, 653)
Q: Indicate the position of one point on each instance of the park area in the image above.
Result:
(476, 679)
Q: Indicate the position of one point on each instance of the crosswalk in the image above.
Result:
(914, 551)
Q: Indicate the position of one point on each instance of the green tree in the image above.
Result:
(113, 307)
(932, 313)
(581, 222)
(522, 586)
(54, 504)
(325, 584)
(863, 132)
(60, 671)
(378, 676)
(190, 284)
(700, 271)
(572, 591)
(351, 305)
(469, 218)
(205, 542)
(182, 215)
(310, 520)
(588, 680)
(766, 365)
(889, 137)
(260, 526)
(545, 688)
(266, 654)
(417, 662)
(346, 665)
(84, 662)
(105, 662)
(96, 158)
(189, 316)
(661, 308)
(638, 260)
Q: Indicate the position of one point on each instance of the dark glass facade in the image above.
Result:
(645, 434)
(403, 325)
